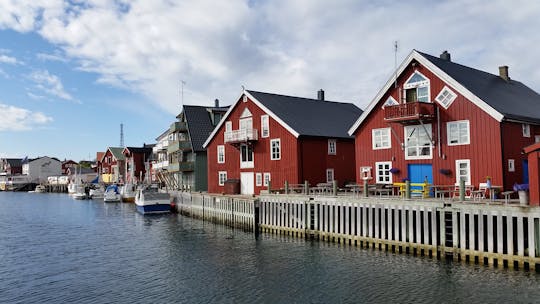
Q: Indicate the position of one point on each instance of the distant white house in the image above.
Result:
(39, 169)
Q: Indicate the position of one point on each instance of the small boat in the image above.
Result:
(127, 193)
(111, 194)
(79, 196)
(96, 193)
(151, 202)
(40, 189)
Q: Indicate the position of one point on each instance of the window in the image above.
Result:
(463, 171)
(526, 128)
(246, 156)
(537, 138)
(382, 173)
(380, 138)
(458, 132)
(417, 88)
(228, 128)
(418, 142)
(275, 149)
(329, 175)
(390, 102)
(446, 97)
(265, 127)
(221, 154)
(511, 165)
(258, 179)
(244, 98)
(266, 179)
(365, 173)
(331, 147)
(222, 177)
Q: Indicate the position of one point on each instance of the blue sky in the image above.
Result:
(71, 72)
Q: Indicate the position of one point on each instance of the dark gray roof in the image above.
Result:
(200, 124)
(512, 99)
(311, 117)
(14, 162)
(146, 150)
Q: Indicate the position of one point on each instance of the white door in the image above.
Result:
(247, 185)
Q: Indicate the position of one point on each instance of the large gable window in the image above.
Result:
(446, 97)
(417, 88)
(418, 142)
(380, 138)
(458, 132)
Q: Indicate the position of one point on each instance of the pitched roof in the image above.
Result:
(511, 98)
(199, 124)
(303, 116)
(502, 100)
(146, 150)
(14, 162)
(117, 152)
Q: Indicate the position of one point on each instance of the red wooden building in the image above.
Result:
(68, 164)
(112, 165)
(268, 137)
(442, 121)
(137, 160)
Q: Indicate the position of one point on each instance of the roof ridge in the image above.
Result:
(306, 98)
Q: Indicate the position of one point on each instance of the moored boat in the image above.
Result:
(111, 194)
(79, 196)
(151, 202)
(96, 193)
(40, 189)
(127, 193)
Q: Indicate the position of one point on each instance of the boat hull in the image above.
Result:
(154, 209)
(128, 199)
(152, 202)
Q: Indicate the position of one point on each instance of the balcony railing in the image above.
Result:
(241, 135)
(178, 126)
(409, 111)
(176, 145)
(186, 166)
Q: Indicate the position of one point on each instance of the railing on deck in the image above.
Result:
(241, 135)
(409, 111)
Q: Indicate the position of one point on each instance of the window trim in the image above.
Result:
(265, 126)
(330, 150)
(278, 152)
(258, 179)
(247, 164)
(228, 126)
(465, 161)
(418, 84)
(388, 134)
(450, 100)
(390, 101)
(220, 182)
(458, 123)
(406, 140)
(330, 170)
(380, 178)
(267, 177)
(222, 148)
(511, 165)
(526, 130)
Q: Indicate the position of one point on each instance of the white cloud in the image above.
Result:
(51, 57)
(8, 59)
(50, 84)
(19, 119)
(289, 47)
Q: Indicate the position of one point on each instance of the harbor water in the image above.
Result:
(54, 249)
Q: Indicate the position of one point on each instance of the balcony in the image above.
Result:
(178, 126)
(182, 145)
(241, 136)
(186, 166)
(409, 112)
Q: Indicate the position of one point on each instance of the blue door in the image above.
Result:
(525, 164)
(418, 173)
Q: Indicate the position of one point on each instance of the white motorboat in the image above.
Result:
(40, 189)
(149, 202)
(96, 193)
(79, 196)
(111, 194)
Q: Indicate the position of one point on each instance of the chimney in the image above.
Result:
(216, 103)
(445, 56)
(320, 94)
(503, 73)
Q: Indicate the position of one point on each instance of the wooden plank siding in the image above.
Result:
(513, 144)
(484, 150)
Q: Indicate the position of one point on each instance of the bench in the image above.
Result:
(506, 195)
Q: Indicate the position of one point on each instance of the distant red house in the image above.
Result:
(137, 163)
(274, 138)
(68, 164)
(445, 122)
(112, 165)
(11, 166)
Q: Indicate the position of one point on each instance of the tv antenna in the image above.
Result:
(395, 62)
(121, 135)
(182, 92)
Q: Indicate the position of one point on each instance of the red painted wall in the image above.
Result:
(513, 144)
(484, 150)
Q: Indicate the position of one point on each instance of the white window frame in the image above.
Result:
(417, 85)
(247, 163)
(378, 138)
(266, 178)
(330, 177)
(265, 126)
(332, 147)
(258, 179)
(408, 135)
(221, 154)
(511, 165)
(446, 97)
(526, 130)
(222, 177)
(459, 125)
(536, 138)
(458, 171)
(228, 128)
(365, 173)
(275, 149)
(383, 174)
(390, 101)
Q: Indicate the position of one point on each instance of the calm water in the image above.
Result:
(55, 249)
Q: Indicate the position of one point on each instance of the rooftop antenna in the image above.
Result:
(395, 63)
(121, 135)
(182, 93)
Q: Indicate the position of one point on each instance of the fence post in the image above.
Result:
(462, 190)
(286, 187)
(269, 187)
(306, 187)
(334, 187)
(366, 188)
(408, 189)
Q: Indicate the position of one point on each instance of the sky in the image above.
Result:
(72, 71)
